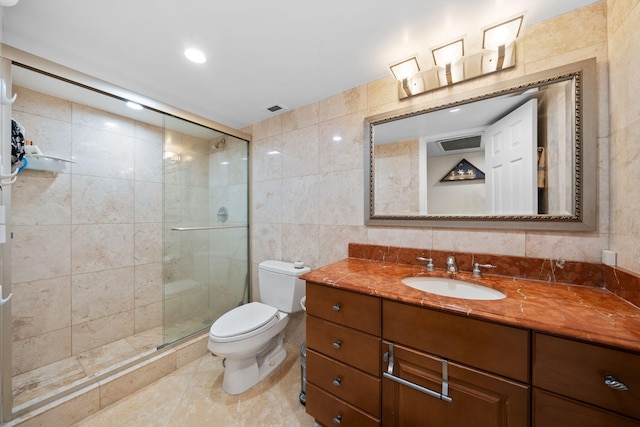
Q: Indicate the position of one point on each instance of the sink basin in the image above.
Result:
(453, 288)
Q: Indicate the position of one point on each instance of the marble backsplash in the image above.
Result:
(620, 282)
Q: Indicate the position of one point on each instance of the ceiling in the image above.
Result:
(259, 54)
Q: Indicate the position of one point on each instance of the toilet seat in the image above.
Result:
(243, 322)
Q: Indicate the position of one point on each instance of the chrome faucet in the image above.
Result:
(429, 261)
(452, 266)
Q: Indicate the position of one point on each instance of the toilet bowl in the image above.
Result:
(250, 337)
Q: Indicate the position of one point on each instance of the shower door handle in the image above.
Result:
(216, 227)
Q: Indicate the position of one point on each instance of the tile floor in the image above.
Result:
(192, 396)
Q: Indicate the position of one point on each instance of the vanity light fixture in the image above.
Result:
(454, 65)
(499, 36)
(195, 55)
(404, 70)
(447, 54)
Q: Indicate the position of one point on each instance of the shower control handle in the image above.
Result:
(337, 382)
(336, 307)
(337, 344)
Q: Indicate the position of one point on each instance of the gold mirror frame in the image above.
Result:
(584, 217)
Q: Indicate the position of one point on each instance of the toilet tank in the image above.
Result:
(280, 286)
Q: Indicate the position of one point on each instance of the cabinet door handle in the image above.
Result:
(336, 307)
(417, 387)
(337, 382)
(613, 383)
(337, 344)
(337, 419)
(445, 378)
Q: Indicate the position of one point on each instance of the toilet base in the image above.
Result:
(242, 374)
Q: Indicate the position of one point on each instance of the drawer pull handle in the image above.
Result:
(614, 384)
(337, 382)
(336, 307)
(337, 344)
(337, 419)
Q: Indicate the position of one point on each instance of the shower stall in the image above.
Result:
(127, 230)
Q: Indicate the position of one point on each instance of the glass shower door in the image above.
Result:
(205, 226)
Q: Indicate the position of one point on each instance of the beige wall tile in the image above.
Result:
(33, 260)
(101, 294)
(40, 350)
(41, 199)
(299, 243)
(102, 153)
(347, 102)
(148, 159)
(148, 283)
(40, 307)
(41, 105)
(345, 154)
(148, 316)
(582, 28)
(300, 117)
(300, 152)
(148, 243)
(83, 115)
(97, 200)
(624, 153)
(580, 247)
(103, 330)
(478, 241)
(101, 247)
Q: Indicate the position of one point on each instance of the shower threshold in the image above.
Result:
(41, 383)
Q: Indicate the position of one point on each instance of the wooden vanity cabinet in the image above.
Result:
(344, 360)
(485, 367)
(570, 384)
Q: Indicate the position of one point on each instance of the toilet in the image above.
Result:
(250, 337)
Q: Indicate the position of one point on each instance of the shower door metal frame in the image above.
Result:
(12, 56)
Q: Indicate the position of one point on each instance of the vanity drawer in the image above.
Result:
(578, 370)
(329, 410)
(350, 309)
(345, 382)
(552, 410)
(346, 345)
(500, 349)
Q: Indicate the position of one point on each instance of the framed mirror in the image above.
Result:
(520, 154)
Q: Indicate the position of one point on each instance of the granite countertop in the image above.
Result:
(581, 312)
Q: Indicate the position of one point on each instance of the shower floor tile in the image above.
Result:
(39, 382)
(42, 382)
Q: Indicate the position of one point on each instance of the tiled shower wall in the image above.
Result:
(87, 246)
(624, 38)
(308, 201)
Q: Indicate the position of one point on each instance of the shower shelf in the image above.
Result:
(41, 162)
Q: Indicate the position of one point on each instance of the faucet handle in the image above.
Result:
(476, 269)
(429, 261)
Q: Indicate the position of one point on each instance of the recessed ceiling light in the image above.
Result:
(337, 138)
(134, 105)
(194, 55)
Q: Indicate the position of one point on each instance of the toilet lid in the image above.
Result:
(243, 319)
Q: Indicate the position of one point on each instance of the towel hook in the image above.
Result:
(4, 300)
(3, 94)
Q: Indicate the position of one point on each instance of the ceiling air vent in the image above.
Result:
(465, 143)
(276, 107)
